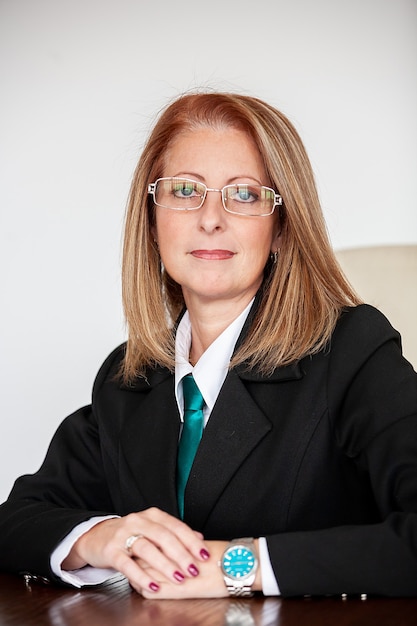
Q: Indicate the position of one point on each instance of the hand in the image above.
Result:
(208, 584)
(166, 548)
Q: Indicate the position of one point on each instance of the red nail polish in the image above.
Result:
(178, 576)
(153, 587)
(204, 554)
(193, 570)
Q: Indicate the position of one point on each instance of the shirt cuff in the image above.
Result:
(86, 575)
(269, 582)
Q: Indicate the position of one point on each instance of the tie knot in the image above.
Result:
(193, 400)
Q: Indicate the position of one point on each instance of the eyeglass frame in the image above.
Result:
(152, 188)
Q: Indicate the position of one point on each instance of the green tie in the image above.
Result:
(190, 436)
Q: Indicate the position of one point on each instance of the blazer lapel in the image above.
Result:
(235, 428)
(149, 440)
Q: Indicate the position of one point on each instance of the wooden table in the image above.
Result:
(117, 605)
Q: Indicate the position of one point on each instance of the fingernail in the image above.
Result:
(178, 576)
(153, 587)
(204, 554)
(193, 570)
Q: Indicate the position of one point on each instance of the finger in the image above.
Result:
(167, 555)
(173, 536)
(141, 579)
(176, 566)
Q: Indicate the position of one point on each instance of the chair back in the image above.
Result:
(386, 277)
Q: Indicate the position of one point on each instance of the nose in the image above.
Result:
(212, 214)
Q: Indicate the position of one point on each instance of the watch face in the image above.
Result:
(238, 562)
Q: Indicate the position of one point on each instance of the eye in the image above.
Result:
(186, 189)
(243, 193)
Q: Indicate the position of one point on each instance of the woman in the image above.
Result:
(309, 449)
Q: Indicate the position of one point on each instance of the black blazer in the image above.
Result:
(320, 457)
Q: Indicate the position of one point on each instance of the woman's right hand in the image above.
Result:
(164, 544)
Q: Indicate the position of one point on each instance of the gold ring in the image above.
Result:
(130, 541)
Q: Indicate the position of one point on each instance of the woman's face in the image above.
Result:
(212, 254)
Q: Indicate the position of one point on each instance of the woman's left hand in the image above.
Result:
(208, 584)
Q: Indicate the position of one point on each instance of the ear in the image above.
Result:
(276, 242)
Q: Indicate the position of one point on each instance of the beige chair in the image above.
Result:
(386, 277)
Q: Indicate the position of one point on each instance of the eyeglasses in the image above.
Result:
(183, 194)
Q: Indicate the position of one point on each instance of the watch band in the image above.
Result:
(239, 592)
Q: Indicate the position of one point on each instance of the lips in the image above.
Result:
(212, 255)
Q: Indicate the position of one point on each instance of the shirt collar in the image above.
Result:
(212, 367)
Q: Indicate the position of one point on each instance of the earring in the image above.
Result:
(275, 256)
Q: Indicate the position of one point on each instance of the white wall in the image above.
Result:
(81, 81)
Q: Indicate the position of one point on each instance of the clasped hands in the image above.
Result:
(164, 558)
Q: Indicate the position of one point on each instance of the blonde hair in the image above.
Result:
(304, 292)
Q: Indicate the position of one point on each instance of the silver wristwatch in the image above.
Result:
(239, 565)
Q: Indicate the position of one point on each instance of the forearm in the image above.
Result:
(30, 532)
(374, 559)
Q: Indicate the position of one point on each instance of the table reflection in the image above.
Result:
(129, 609)
(36, 604)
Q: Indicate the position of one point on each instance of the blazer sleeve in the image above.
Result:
(69, 488)
(372, 399)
